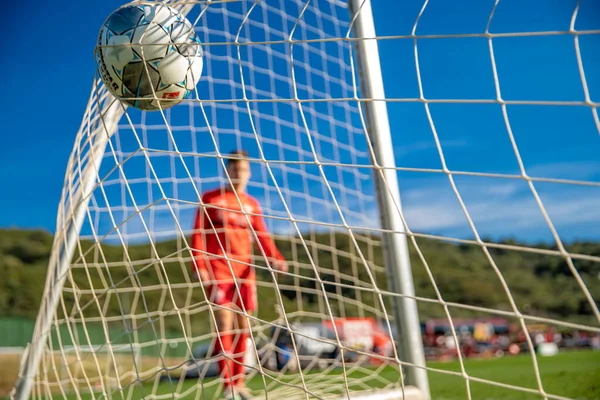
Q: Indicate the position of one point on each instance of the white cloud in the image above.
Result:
(578, 170)
(501, 210)
(502, 190)
(433, 216)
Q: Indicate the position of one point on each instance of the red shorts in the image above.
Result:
(226, 294)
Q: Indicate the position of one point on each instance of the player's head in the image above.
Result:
(238, 168)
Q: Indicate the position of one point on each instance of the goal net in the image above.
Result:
(94, 365)
(486, 228)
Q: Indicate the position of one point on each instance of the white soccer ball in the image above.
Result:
(149, 55)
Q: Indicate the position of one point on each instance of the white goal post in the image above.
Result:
(299, 85)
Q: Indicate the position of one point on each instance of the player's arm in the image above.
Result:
(199, 260)
(266, 242)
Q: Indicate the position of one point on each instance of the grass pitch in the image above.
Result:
(573, 375)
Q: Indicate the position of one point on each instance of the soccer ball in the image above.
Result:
(149, 56)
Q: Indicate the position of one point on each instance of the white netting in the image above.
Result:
(279, 82)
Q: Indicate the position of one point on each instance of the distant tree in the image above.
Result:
(462, 273)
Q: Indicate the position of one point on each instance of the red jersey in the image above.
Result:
(222, 232)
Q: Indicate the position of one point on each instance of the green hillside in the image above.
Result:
(541, 285)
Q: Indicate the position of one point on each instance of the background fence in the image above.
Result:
(17, 332)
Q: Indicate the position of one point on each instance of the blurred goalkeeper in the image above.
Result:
(227, 222)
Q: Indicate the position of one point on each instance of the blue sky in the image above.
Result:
(50, 80)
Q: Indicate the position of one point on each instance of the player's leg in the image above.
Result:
(222, 295)
(239, 349)
(247, 305)
(224, 345)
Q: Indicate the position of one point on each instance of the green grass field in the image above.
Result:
(570, 374)
(573, 375)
